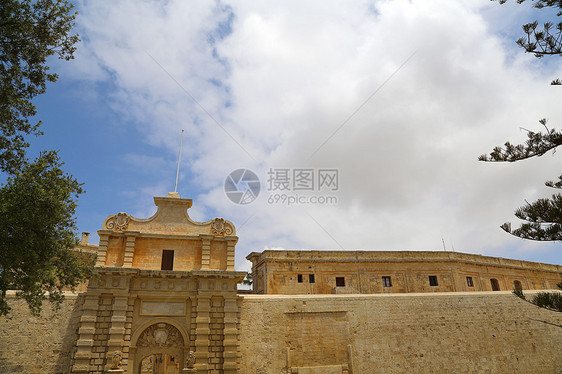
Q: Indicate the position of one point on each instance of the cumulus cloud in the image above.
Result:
(400, 96)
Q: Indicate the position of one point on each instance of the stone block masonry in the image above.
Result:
(476, 332)
(39, 345)
(480, 332)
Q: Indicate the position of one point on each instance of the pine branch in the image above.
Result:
(535, 231)
(542, 42)
(555, 184)
(537, 144)
(543, 211)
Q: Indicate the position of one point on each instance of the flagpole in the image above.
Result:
(179, 157)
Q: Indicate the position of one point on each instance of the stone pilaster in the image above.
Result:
(128, 331)
(230, 334)
(202, 331)
(230, 243)
(86, 331)
(102, 249)
(206, 251)
(117, 327)
(130, 237)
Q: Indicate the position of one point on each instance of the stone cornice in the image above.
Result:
(396, 257)
(168, 236)
(171, 273)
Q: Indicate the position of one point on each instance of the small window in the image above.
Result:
(469, 282)
(167, 260)
(340, 281)
(299, 278)
(386, 282)
(433, 281)
(311, 278)
(517, 285)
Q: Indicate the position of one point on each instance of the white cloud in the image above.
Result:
(290, 73)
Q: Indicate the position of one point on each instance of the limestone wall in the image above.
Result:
(480, 332)
(44, 344)
(487, 332)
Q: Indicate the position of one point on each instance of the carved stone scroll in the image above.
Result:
(220, 227)
(117, 222)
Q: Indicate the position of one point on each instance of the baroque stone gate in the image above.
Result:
(165, 286)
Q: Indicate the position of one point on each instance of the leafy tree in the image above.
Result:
(37, 207)
(545, 40)
(30, 32)
(248, 281)
(38, 200)
(547, 300)
(544, 216)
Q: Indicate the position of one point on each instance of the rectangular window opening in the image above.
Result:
(340, 281)
(469, 282)
(386, 282)
(299, 278)
(167, 260)
(311, 278)
(433, 280)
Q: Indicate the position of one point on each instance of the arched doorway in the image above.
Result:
(159, 349)
(495, 284)
(160, 363)
(517, 285)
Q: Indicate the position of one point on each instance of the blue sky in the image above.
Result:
(400, 96)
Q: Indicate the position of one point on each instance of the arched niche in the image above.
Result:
(159, 336)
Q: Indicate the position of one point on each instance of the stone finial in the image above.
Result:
(174, 195)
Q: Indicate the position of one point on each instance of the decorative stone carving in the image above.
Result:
(117, 222)
(220, 227)
(162, 335)
(116, 360)
(116, 363)
(189, 363)
(146, 365)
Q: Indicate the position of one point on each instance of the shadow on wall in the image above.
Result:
(39, 344)
(70, 337)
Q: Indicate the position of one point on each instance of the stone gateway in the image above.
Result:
(166, 286)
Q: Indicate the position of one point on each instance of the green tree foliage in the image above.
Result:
(545, 40)
(548, 300)
(37, 234)
(543, 218)
(30, 32)
(38, 200)
(248, 281)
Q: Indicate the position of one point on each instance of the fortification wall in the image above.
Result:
(479, 332)
(30, 344)
(487, 332)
